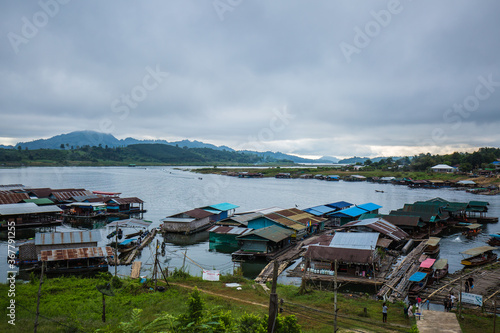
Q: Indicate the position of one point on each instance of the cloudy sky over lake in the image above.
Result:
(338, 78)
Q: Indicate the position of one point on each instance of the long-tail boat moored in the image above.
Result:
(479, 256)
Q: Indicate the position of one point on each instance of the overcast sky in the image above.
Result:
(312, 78)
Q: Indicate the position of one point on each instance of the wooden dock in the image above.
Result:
(136, 269)
(486, 283)
(129, 258)
(397, 284)
(285, 259)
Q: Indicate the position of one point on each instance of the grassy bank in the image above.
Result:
(75, 305)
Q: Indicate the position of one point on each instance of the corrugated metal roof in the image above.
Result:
(7, 197)
(433, 241)
(79, 253)
(272, 233)
(300, 216)
(322, 209)
(288, 222)
(178, 219)
(40, 202)
(268, 210)
(427, 263)
(350, 256)
(223, 207)
(66, 194)
(355, 240)
(124, 201)
(339, 204)
(73, 237)
(27, 208)
(86, 204)
(369, 206)
(351, 212)
(379, 225)
(229, 230)
(406, 220)
(198, 213)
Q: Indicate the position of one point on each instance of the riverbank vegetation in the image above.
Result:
(189, 304)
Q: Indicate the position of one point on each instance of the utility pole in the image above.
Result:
(38, 297)
(273, 301)
(460, 300)
(155, 269)
(494, 314)
(116, 249)
(335, 298)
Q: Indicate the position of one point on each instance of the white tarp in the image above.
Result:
(209, 275)
(472, 299)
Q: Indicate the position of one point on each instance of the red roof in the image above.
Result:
(7, 197)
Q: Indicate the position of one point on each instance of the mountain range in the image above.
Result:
(93, 138)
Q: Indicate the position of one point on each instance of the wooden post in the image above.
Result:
(116, 249)
(273, 301)
(460, 300)
(335, 298)
(494, 314)
(155, 269)
(103, 309)
(38, 297)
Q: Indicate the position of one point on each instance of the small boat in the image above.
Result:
(432, 246)
(472, 230)
(440, 269)
(479, 256)
(379, 191)
(494, 239)
(418, 282)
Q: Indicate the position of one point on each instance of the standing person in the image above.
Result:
(419, 301)
(384, 313)
(452, 301)
(445, 303)
(467, 285)
(471, 282)
(410, 310)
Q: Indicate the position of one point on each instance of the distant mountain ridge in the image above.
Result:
(93, 138)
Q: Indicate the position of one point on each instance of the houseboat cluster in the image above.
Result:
(364, 244)
(42, 207)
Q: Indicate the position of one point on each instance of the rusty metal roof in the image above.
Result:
(229, 230)
(79, 253)
(124, 201)
(198, 213)
(7, 197)
(272, 233)
(73, 237)
(66, 194)
(379, 225)
(330, 254)
(406, 220)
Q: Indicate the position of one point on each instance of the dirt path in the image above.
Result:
(437, 321)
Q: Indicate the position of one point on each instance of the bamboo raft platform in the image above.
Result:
(486, 283)
(136, 270)
(397, 285)
(129, 258)
(284, 259)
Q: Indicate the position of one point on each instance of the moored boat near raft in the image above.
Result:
(418, 282)
(479, 256)
(432, 246)
(440, 269)
(494, 239)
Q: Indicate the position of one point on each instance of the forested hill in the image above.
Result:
(133, 154)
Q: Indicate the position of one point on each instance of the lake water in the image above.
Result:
(169, 190)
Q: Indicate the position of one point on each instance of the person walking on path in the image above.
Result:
(384, 313)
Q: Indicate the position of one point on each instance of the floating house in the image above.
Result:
(355, 253)
(66, 252)
(355, 178)
(223, 238)
(220, 211)
(283, 175)
(341, 217)
(265, 243)
(411, 224)
(325, 211)
(387, 230)
(29, 215)
(8, 197)
(124, 205)
(187, 222)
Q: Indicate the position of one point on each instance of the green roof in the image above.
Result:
(272, 233)
(40, 202)
(478, 203)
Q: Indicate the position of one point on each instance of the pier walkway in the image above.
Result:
(437, 321)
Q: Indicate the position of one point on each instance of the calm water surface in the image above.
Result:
(169, 190)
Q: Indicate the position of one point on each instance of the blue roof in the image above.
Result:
(496, 163)
(319, 210)
(339, 204)
(352, 212)
(417, 277)
(223, 206)
(125, 242)
(370, 206)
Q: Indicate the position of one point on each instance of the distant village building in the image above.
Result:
(443, 168)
